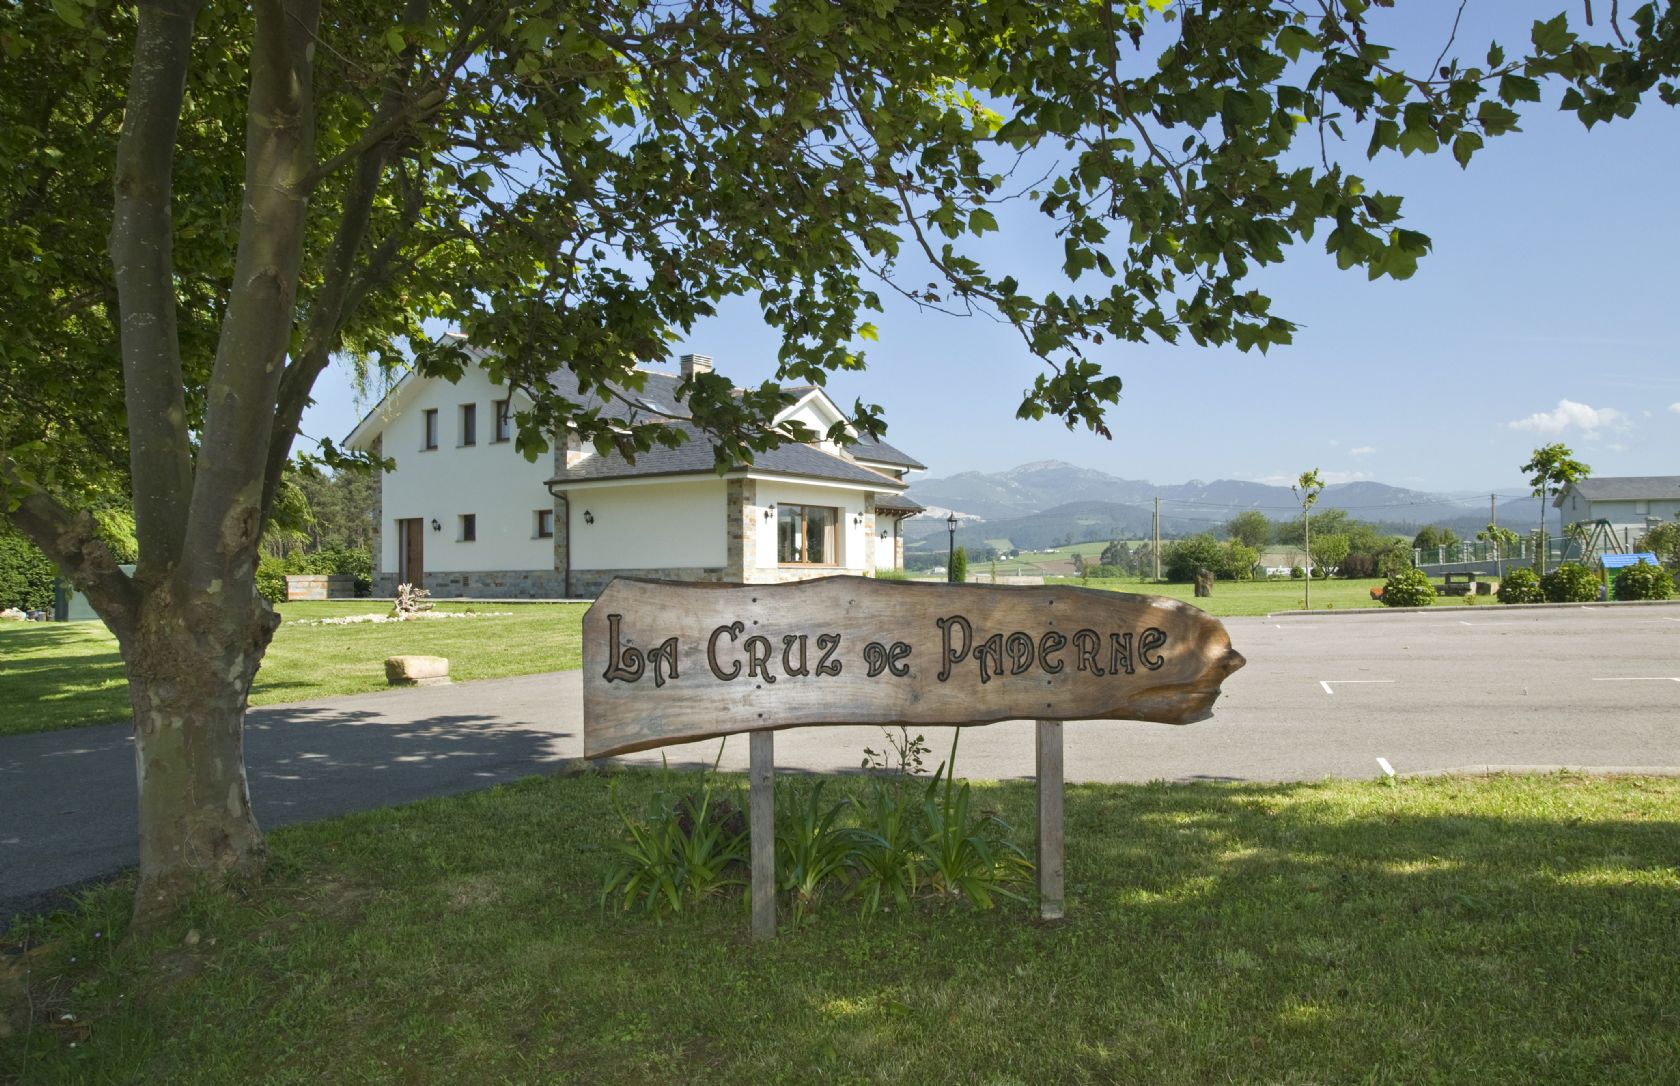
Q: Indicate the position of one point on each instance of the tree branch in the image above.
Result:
(71, 541)
(225, 519)
(160, 453)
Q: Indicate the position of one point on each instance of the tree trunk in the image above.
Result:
(189, 674)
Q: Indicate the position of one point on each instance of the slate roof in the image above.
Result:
(898, 504)
(657, 400)
(880, 452)
(1625, 488)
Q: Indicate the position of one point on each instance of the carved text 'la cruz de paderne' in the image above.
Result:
(766, 658)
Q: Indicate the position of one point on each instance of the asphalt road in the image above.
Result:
(1322, 696)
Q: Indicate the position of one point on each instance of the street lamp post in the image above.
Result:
(951, 550)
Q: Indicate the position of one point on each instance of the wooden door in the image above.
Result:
(411, 552)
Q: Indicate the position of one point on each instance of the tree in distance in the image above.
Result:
(1250, 528)
(1307, 488)
(577, 185)
(1551, 467)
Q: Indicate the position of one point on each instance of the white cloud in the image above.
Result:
(1363, 450)
(1571, 415)
(1674, 407)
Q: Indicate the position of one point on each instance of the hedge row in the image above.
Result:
(26, 575)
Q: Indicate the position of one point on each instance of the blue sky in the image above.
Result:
(1548, 311)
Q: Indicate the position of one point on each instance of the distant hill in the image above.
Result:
(1048, 503)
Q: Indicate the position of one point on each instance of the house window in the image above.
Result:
(504, 420)
(431, 428)
(469, 424)
(469, 527)
(545, 524)
(805, 535)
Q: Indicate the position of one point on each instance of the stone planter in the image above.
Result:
(320, 586)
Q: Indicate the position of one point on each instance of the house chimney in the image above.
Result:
(695, 363)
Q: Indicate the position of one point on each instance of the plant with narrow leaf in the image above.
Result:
(679, 853)
(966, 856)
(888, 861)
(811, 849)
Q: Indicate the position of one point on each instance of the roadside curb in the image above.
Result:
(1495, 606)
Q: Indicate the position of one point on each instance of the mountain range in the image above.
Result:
(1050, 502)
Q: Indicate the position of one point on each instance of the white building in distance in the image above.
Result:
(465, 514)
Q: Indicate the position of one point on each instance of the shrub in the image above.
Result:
(1570, 583)
(26, 575)
(891, 575)
(959, 566)
(1408, 588)
(1521, 585)
(271, 578)
(1297, 573)
(1644, 582)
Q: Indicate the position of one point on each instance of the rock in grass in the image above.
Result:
(416, 670)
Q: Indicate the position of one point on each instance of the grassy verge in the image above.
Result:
(62, 675)
(1498, 930)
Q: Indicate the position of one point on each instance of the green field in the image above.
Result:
(1261, 597)
(1496, 930)
(61, 675)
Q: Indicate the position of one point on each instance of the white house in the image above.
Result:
(1631, 503)
(465, 514)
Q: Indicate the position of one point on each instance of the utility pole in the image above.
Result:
(1155, 540)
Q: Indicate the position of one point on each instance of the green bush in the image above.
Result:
(271, 578)
(1297, 573)
(1644, 582)
(959, 566)
(26, 575)
(1521, 585)
(1570, 583)
(891, 575)
(1408, 588)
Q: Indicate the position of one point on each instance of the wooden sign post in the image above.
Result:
(672, 662)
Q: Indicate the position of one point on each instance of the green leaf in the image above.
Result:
(980, 221)
(1467, 144)
(71, 12)
(1552, 36)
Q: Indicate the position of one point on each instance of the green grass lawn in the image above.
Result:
(1450, 930)
(61, 675)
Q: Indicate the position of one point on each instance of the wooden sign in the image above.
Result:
(670, 662)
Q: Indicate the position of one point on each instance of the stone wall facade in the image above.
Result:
(588, 583)
(741, 515)
(529, 584)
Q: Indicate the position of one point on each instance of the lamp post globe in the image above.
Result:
(951, 550)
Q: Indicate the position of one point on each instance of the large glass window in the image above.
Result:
(504, 420)
(431, 428)
(469, 424)
(805, 535)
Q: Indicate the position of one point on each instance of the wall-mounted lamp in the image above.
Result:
(436, 527)
(588, 517)
(770, 511)
(883, 533)
(857, 520)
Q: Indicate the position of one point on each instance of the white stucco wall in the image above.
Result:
(650, 525)
(490, 480)
(854, 542)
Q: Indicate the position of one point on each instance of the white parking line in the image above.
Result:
(1326, 682)
(1639, 679)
